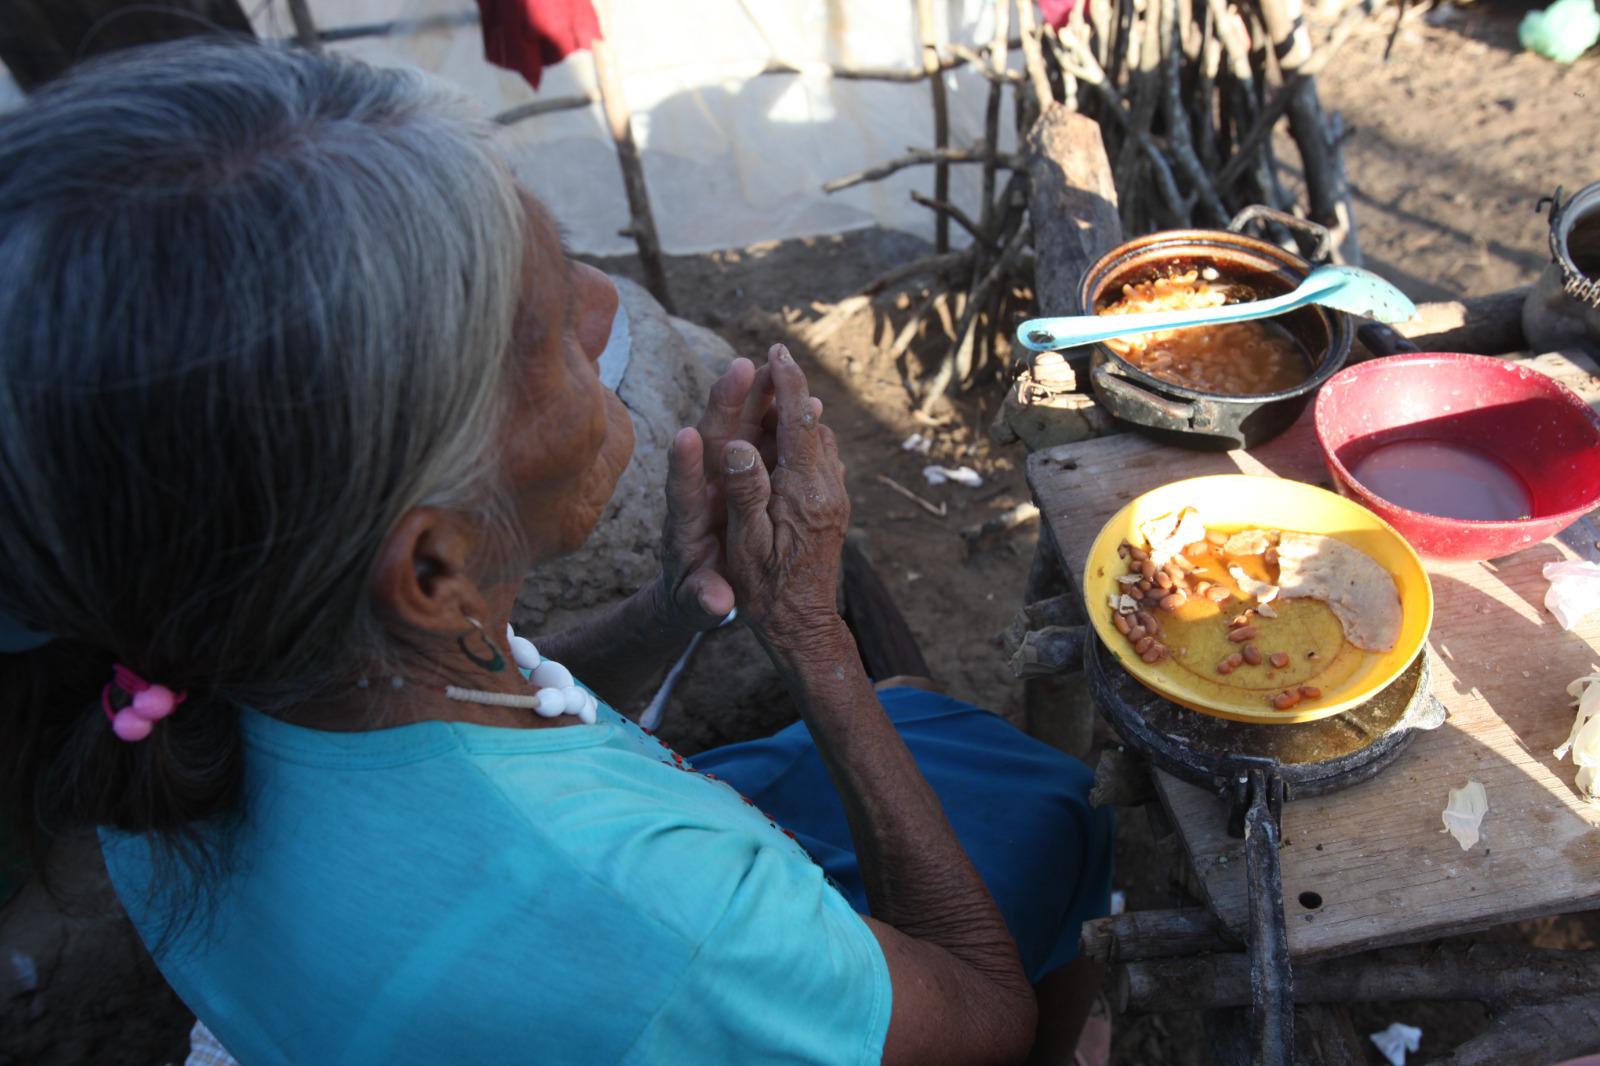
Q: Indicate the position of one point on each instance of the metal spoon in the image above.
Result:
(1344, 288)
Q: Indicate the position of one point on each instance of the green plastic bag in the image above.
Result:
(1563, 31)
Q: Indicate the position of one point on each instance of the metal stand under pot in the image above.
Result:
(1256, 768)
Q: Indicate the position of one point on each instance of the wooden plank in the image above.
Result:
(1375, 855)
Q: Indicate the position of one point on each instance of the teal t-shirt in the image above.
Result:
(450, 893)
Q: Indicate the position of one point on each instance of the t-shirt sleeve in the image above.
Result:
(788, 973)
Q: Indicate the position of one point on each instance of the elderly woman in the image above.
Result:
(297, 384)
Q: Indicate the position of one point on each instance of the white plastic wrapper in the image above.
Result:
(1574, 591)
(1396, 1040)
(1584, 740)
(961, 475)
(1464, 812)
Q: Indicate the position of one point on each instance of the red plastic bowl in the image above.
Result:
(1539, 429)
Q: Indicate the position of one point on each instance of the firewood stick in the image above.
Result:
(922, 157)
(1178, 134)
(953, 212)
(941, 266)
(1139, 935)
(980, 293)
(1450, 971)
(1033, 54)
(985, 69)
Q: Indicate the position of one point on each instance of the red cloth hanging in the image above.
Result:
(528, 35)
(1056, 12)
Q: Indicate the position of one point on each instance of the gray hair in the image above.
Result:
(256, 305)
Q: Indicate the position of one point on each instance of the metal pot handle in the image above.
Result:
(1271, 978)
(1321, 252)
(1181, 414)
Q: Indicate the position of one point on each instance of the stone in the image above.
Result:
(1043, 418)
(664, 387)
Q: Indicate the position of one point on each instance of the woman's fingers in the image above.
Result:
(725, 409)
(746, 489)
(757, 405)
(797, 418)
(686, 483)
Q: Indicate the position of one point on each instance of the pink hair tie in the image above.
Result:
(150, 703)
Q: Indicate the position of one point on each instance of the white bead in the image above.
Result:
(551, 674)
(552, 702)
(524, 653)
(586, 713)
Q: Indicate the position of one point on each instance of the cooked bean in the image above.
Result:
(1225, 667)
(1252, 655)
(1154, 653)
(1238, 620)
(1136, 633)
(1121, 622)
(1143, 644)
(1198, 550)
(1149, 622)
(1242, 634)
(1218, 594)
(1139, 554)
(1235, 660)
(1132, 591)
(1311, 692)
(1280, 659)
(1286, 700)
(1216, 539)
(1173, 601)
(1146, 586)
(1147, 567)
(1164, 579)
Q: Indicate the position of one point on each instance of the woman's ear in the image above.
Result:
(424, 580)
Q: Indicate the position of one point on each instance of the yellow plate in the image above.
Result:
(1347, 675)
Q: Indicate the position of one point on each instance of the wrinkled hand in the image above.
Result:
(785, 530)
(696, 594)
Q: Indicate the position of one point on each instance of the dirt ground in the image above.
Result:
(1453, 140)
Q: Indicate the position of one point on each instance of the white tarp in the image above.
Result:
(731, 158)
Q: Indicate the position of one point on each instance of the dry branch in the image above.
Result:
(512, 115)
(952, 211)
(941, 266)
(922, 157)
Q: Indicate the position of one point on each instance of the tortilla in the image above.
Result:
(1249, 542)
(1362, 594)
(1169, 534)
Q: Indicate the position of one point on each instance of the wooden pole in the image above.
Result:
(40, 39)
(642, 223)
(941, 117)
(991, 116)
(305, 28)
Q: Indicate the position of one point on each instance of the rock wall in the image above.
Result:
(672, 367)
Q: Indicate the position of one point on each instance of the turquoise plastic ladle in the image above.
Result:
(1344, 288)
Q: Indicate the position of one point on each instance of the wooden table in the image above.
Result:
(1370, 865)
